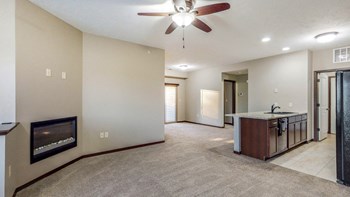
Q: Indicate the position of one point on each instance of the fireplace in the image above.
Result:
(51, 137)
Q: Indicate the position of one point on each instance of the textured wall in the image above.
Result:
(123, 93)
(181, 97)
(289, 73)
(7, 61)
(44, 41)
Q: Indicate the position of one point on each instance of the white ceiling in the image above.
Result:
(236, 34)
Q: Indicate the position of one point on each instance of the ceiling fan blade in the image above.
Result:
(155, 14)
(171, 28)
(210, 9)
(201, 25)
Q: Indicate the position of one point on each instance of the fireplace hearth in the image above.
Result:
(48, 138)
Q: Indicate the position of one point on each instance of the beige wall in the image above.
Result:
(123, 94)
(7, 61)
(241, 86)
(43, 41)
(11, 162)
(323, 60)
(289, 73)
(175, 73)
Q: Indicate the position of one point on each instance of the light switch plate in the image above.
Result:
(48, 72)
(290, 105)
(102, 135)
(106, 134)
(275, 90)
(10, 170)
(64, 75)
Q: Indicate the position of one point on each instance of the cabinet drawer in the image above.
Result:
(291, 119)
(304, 117)
(273, 123)
(298, 118)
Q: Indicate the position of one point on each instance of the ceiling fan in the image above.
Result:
(186, 14)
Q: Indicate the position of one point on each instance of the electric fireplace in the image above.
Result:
(48, 138)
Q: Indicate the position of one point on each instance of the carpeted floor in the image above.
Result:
(195, 161)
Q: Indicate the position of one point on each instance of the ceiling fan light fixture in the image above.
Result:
(326, 37)
(183, 19)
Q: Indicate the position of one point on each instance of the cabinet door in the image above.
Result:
(304, 130)
(297, 132)
(273, 140)
(291, 135)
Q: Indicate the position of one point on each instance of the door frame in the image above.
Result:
(315, 94)
(176, 102)
(233, 99)
(330, 104)
(316, 110)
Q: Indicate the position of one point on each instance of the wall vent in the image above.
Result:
(341, 55)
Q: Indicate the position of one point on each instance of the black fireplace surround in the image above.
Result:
(48, 138)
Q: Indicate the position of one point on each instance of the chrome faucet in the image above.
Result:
(273, 108)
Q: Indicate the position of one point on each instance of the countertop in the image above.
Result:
(263, 116)
(7, 128)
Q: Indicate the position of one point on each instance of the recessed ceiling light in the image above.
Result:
(183, 67)
(266, 39)
(326, 37)
(286, 49)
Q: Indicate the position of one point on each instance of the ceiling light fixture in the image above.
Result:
(183, 19)
(183, 67)
(286, 49)
(326, 37)
(266, 39)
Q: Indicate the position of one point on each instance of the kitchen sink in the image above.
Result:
(280, 113)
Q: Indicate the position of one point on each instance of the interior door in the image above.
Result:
(170, 103)
(229, 100)
(323, 106)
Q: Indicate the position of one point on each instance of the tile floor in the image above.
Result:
(315, 158)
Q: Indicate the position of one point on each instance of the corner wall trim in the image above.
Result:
(77, 159)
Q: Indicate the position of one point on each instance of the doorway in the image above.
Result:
(171, 103)
(325, 97)
(229, 100)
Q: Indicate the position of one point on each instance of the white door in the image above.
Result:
(323, 106)
(170, 103)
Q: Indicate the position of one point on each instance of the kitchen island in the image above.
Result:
(262, 136)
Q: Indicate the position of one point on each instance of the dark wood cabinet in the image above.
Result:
(297, 130)
(261, 139)
(291, 135)
(303, 130)
(273, 132)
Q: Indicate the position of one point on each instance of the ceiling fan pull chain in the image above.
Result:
(183, 37)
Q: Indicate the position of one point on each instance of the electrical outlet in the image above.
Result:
(10, 170)
(106, 134)
(102, 135)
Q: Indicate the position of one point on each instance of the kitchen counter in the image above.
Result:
(256, 116)
(263, 116)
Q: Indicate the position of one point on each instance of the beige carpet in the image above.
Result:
(194, 161)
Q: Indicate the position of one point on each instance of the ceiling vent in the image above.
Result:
(341, 55)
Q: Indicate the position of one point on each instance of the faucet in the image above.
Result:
(273, 108)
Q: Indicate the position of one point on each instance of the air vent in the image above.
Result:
(341, 55)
